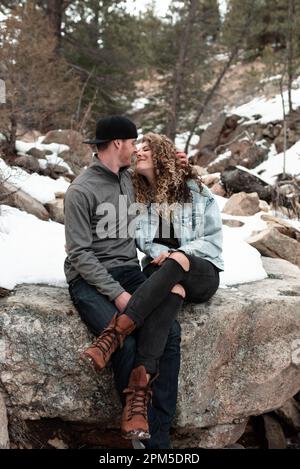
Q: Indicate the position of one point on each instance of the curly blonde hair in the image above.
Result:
(171, 178)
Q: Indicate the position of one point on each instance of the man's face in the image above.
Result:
(127, 150)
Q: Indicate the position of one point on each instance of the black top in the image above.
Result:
(165, 234)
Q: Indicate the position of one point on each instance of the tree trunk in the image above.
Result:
(13, 135)
(55, 10)
(233, 54)
(180, 70)
(290, 51)
(201, 108)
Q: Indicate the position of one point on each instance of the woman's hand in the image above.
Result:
(161, 258)
(183, 159)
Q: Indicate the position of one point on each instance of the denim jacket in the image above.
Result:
(197, 225)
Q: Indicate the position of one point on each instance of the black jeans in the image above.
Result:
(154, 308)
(97, 311)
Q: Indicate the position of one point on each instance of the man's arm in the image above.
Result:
(79, 245)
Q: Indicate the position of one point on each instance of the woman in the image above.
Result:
(180, 231)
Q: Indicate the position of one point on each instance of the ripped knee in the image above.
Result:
(179, 290)
(181, 259)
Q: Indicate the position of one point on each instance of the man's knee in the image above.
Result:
(181, 259)
(179, 290)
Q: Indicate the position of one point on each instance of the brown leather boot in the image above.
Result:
(109, 340)
(134, 424)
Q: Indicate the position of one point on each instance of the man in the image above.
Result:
(103, 272)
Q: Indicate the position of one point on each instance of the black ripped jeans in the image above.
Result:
(154, 296)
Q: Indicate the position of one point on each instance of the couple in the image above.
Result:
(133, 312)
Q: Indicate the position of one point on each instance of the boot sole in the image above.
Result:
(90, 362)
(136, 435)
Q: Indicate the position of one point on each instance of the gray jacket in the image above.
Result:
(89, 253)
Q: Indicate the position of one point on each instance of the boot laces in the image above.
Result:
(138, 403)
(107, 340)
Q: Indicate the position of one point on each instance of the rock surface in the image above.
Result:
(239, 358)
(28, 162)
(4, 438)
(13, 197)
(272, 243)
(56, 210)
(242, 204)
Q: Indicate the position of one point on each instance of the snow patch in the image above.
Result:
(270, 110)
(269, 169)
(36, 247)
(41, 188)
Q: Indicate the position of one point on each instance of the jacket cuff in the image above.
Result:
(114, 293)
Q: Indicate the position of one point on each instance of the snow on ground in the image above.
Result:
(273, 78)
(41, 188)
(36, 247)
(139, 104)
(181, 139)
(269, 169)
(55, 148)
(269, 109)
(221, 156)
(31, 250)
(242, 261)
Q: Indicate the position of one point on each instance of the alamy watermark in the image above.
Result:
(2, 92)
(139, 220)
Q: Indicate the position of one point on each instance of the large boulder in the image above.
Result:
(29, 163)
(56, 210)
(10, 195)
(243, 153)
(30, 136)
(272, 243)
(242, 204)
(240, 358)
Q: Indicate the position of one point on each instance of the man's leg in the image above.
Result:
(90, 303)
(165, 387)
(96, 311)
(165, 390)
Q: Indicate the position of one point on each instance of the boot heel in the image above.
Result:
(84, 359)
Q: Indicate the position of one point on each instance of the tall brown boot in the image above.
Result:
(109, 340)
(134, 424)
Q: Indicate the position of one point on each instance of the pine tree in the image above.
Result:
(183, 46)
(41, 89)
(105, 44)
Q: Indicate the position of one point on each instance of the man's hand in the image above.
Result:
(161, 258)
(183, 159)
(122, 300)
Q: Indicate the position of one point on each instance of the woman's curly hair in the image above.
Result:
(171, 178)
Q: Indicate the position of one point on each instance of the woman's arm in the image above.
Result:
(210, 244)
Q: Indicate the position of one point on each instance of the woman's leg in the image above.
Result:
(197, 285)
(152, 336)
(157, 288)
(202, 281)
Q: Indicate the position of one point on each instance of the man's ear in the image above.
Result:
(117, 144)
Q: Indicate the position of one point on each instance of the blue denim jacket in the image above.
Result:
(197, 225)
